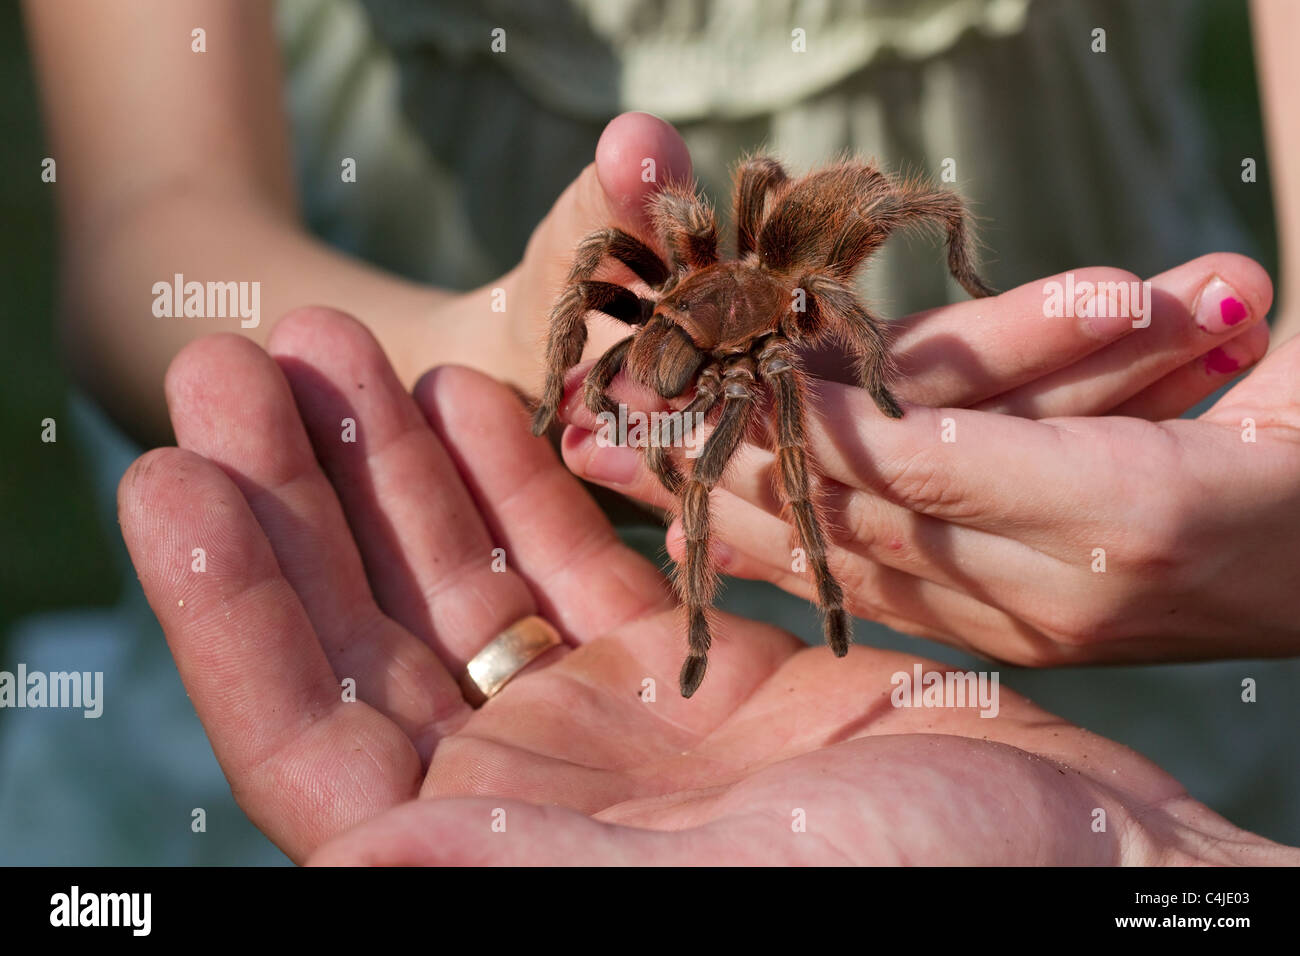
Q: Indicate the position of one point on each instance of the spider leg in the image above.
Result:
(686, 226)
(755, 179)
(600, 376)
(658, 458)
(779, 369)
(835, 307)
(837, 217)
(696, 580)
(830, 218)
(947, 209)
(624, 247)
(616, 301)
(622, 304)
(568, 328)
(708, 389)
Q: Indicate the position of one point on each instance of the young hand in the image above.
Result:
(1046, 539)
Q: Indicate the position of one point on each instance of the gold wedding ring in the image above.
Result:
(505, 656)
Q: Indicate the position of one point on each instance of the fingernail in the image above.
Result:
(1226, 359)
(1220, 307)
(612, 464)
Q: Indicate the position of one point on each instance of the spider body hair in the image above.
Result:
(732, 328)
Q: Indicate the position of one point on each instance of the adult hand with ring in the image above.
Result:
(336, 564)
(337, 581)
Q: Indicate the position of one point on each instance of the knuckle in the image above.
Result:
(861, 522)
(1159, 544)
(920, 484)
(1077, 623)
(856, 581)
(1042, 651)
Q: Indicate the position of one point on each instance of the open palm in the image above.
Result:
(320, 535)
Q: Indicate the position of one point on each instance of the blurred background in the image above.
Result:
(121, 789)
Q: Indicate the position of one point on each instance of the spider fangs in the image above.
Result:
(732, 328)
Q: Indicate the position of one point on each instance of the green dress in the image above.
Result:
(1069, 157)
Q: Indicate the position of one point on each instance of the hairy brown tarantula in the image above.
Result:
(728, 325)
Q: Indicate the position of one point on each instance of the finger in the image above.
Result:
(600, 451)
(585, 579)
(636, 154)
(1205, 375)
(303, 764)
(962, 353)
(1194, 309)
(956, 464)
(1269, 395)
(428, 554)
(950, 463)
(230, 403)
(909, 572)
(619, 467)
(460, 832)
(746, 512)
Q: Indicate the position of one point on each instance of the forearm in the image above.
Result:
(1277, 30)
(119, 348)
(177, 162)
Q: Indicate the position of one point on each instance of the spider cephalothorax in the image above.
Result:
(732, 328)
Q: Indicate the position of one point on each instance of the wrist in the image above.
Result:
(482, 329)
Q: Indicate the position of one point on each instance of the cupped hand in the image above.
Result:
(1036, 538)
(325, 552)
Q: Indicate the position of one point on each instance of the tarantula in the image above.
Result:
(731, 327)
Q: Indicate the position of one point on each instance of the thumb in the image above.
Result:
(636, 154)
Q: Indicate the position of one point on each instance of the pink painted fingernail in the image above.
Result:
(1227, 359)
(1220, 308)
(1219, 362)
